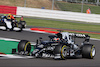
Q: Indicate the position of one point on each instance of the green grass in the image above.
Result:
(7, 46)
(64, 25)
(94, 36)
(75, 7)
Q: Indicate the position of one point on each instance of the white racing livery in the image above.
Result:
(10, 25)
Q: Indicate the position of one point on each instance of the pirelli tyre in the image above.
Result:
(88, 51)
(23, 24)
(24, 47)
(20, 26)
(60, 51)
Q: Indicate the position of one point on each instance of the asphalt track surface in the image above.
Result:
(41, 62)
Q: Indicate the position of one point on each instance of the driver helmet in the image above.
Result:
(56, 39)
(9, 16)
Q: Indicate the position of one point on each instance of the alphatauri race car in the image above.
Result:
(12, 25)
(60, 46)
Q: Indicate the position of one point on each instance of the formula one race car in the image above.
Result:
(12, 25)
(59, 47)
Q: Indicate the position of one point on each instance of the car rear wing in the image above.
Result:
(85, 36)
(17, 16)
(79, 35)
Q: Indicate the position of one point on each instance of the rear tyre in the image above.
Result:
(60, 52)
(20, 26)
(88, 51)
(23, 24)
(24, 47)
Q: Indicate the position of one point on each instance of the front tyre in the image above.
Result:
(60, 52)
(88, 51)
(64, 52)
(24, 47)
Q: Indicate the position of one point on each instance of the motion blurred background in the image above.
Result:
(62, 5)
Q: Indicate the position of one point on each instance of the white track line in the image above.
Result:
(95, 39)
(9, 39)
(14, 56)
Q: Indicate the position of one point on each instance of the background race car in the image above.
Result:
(12, 25)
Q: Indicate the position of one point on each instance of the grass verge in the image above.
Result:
(75, 7)
(64, 25)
